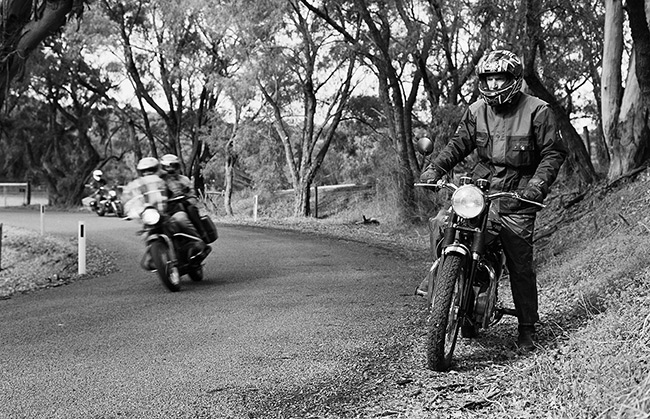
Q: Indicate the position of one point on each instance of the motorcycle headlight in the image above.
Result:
(112, 193)
(468, 201)
(150, 216)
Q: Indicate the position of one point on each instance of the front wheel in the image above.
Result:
(119, 209)
(196, 273)
(445, 313)
(167, 272)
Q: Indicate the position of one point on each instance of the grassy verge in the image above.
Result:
(31, 261)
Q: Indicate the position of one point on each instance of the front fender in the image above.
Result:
(156, 237)
(456, 248)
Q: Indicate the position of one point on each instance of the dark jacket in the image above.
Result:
(516, 145)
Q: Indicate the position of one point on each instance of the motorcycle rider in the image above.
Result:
(519, 150)
(97, 182)
(151, 189)
(180, 185)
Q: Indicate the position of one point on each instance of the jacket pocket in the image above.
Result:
(521, 152)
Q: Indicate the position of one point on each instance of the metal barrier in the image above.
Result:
(14, 199)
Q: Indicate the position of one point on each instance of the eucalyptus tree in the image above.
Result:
(393, 37)
(23, 27)
(306, 76)
(170, 64)
(626, 125)
(62, 127)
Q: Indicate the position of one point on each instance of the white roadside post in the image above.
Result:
(82, 248)
(42, 219)
(255, 208)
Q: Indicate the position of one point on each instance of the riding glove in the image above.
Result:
(430, 175)
(533, 193)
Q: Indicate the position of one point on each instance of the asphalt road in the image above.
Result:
(284, 325)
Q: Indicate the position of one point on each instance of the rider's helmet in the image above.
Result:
(97, 175)
(500, 62)
(148, 166)
(170, 163)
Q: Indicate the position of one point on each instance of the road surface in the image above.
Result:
(284, 325)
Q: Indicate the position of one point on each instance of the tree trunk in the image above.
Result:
(611, 82)
(631, 144)
(227, 193)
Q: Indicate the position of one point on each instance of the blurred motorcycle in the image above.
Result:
(170, 252)
(106, 201)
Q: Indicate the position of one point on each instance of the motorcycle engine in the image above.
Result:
(485, 290)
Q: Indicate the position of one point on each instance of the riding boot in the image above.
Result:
(526, 338)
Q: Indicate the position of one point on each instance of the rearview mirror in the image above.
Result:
(425, 146)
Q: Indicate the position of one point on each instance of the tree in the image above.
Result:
(626, 124)
(313, 68)
(25, 24)
(62, 128)
(170, 63)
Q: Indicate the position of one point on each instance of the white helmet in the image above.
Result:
(97, 175)
(148, 166)
(170, 163)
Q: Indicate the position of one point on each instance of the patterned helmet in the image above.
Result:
(170, 163)
(97, 175)
(148, 166)
(500, 62)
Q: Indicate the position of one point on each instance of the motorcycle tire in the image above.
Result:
(167, 272)
(444, 318)
(196, 274)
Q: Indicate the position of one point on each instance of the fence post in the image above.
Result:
(0, 246)
(255, 208)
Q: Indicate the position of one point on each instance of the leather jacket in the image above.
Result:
(517, 144)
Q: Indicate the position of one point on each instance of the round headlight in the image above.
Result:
(468, 201)
(150, 216)
(112, 193)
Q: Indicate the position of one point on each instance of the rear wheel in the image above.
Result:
(167, 272)
(445, 313)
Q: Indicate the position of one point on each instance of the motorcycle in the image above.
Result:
(170, 252)
(463, 280)
(108, 203)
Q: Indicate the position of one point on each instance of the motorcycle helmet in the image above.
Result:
(170, 163)
(148, 166)
(97, 175)
(500, 62)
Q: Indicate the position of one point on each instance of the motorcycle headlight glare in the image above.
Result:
(468, 201)
(112, 193)
(150, 216)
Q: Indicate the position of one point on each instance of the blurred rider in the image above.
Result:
(151, 189)
(519, 150)
(180, 185)
(97, 183)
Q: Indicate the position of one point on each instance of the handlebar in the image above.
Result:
(497, 195)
